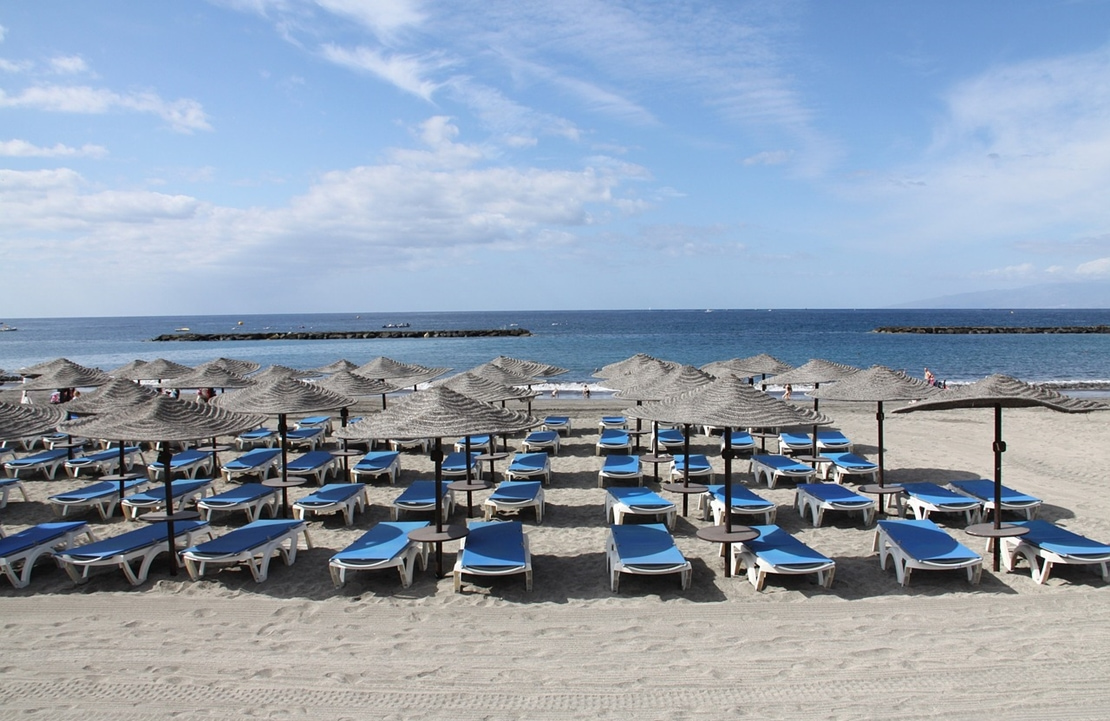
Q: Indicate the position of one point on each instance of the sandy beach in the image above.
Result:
(297, 647)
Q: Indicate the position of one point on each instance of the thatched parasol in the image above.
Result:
(629, 366)
(115, 395)
(21, 421)
(340, 365)
(68, 375)
(155, 370)
(998, 392)
(279, 371)
(530, 368)
(233, 365)
(45, 367)
(126, 369)
(209, 376)
(814, 372)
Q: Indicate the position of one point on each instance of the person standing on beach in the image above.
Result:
(585, 391)
(930, 378)
(787, 392)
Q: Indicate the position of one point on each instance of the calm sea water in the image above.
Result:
(586, 340)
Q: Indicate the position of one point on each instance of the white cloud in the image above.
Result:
(183, 115)
(1095, 268)
(385, 18)
(68, 65)
(3, 33)
(22, 149)
(9, 66)
(1010, 272)
(768, 157)
(407, 72)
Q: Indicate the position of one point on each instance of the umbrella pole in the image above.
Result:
(283, 431)
(686, 468)
(999, 448)
(437, 458)
(815, 402)
(164, 457)
(727, 455)
(879, 418)
(469, 479)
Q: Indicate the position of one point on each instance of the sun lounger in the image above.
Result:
(744, 503)
(19, 551)
(1046, 544)
(647, 549)
(252, 545)
(378, 463)
(829, 441)
(46, 462)
(613, 422)
(189, 463)
(182, 492)
(102, 495)
(620, 467)
(103, 462)
(494, 548)
(925, 498)
(250, 498)
(258, 437)
(314, 422)
(334, 497)
(386, 545)
(776, 551)
(53, 440)
(816, 498)
(515, 496)
(253, 463)
(529, 465)
(983, 491)
(670, 438)
(402, 444)
(845, 465)
(774, 468)
(614, 439)
(622, 501)
(317, 464)
(307, 437)
(699, 467)
(792, 443)
(142, 544)
(420, 497)
(922, 544)
(454, 465)
(741, 442)
(541, 441)
(557, 423)
(7, 485)
(482, 443)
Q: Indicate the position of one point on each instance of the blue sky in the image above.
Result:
(241, 156)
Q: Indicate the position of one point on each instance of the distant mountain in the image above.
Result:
(1049, 295)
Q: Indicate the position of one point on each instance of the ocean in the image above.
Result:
(583, 341)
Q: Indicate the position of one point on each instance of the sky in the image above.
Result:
(268, 156)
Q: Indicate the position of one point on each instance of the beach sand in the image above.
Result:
(296, 647)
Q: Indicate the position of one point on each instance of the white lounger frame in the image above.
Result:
(816, 507)
(404, 562)
(78, 570)
(616, 567)
(7, 485)
(1041, 560)
(616, 509)
(905, 563)
(257, 559)
(17, 567)
(758, 569)
(131, 509)
(349, 507)
(772, 475)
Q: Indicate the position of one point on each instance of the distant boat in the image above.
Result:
(4, 327)
(396, 325)
(182, 329)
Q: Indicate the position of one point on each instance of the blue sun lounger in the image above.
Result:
(347, 498)
(744, 503)
(644, 549)
(844, 465)
(378, 463)
(615, 422)
(614, 439)
(420, 496)
(829, 441)
(1046, 544)
(142, 544)
(816, 498)
(19, 551)
(46, 462)
(314, 422)
(621, 501)
(529, 465)
(188, 463)
(982, 490)
(251, 498)
(699, 466)
(254, 463)
(541, 441)
(925, 499)
(102, 462)
(102, 495)
(483, 443)
(776, 551)
(182, 491)
(670, 438)
(309, 437)
(791, 443)
(252, 545)
(741, 442)
(620, 467)
(455, 464)
(922, 544)
(257, 437)
(386, 545)
(7, 485)
(774, 468)
(317, 464)
(514, 496)
(494, 548)
(557, 423)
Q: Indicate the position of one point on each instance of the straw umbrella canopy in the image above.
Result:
(815, 371)
(496, 373)
(209, 376)
(762, 364)
(281, 396)
(352, 384)
(730, 403)
(126, 369)
(115, 395)
(435, 413)
(628, 366)
(340, 365)
(279, 371)
(163, 420)
(67, 376)
(877, 384)
(38, 369)
(386, 368)
(20, 421)
(155, 370)
(236, 366)
(483, 389)
(527, 367)
(641, 373)
(998, 392)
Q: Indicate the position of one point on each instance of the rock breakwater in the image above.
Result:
(344, 335)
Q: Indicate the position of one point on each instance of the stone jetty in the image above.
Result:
(345, 335)
(988, 329)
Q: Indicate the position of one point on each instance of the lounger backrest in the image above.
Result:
(376, 460)
(333, 493)
(925, 541)
(622, 464)
(779, 548)
(646, 544)
(133, 540)
(494, 544)
(37, 535)
(382, 542)
(247, 537)
(311, 460)
(245, 492)
(1060, 540)
(517, 490)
